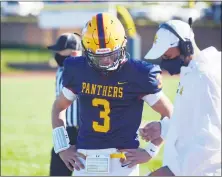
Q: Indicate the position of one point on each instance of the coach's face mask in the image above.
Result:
(60, 59)
(173, 66)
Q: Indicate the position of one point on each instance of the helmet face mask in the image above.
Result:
(104, 42)
(108, 61)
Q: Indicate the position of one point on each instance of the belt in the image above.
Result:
(114, 156)
(118, 155)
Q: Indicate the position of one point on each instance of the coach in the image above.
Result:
(193, 134)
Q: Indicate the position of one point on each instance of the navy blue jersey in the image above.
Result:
(110, 106)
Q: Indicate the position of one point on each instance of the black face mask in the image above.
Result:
(173, 66)
(60, 59)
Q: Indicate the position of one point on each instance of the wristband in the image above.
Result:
(60, 139)
(152, 149)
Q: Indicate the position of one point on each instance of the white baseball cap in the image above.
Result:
(164, 39)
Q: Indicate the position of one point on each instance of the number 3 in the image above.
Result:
(103, 115)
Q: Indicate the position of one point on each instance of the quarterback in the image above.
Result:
(111, 89)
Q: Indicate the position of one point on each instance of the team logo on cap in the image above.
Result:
(155, 38)
(181, 91)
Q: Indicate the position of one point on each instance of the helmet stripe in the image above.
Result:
(100, 28)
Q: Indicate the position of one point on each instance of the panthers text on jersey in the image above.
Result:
(110, 106)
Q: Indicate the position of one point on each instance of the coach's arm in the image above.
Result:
(67, 153)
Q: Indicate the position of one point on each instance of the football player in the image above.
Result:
(111, 89)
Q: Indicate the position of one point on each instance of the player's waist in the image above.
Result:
(117, 135)
(95, 143)
(111, 152)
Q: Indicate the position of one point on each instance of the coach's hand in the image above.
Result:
(71, 158)
(151, 131)
(135, 156)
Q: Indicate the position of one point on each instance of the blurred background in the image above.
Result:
(28, 69)
(34, 25)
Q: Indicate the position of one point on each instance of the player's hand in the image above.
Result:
(71, 158)
(151, 131)
(134, 157)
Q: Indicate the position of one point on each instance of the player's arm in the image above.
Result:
(62, 102)
(67, 153)
(64, 96)
(160, 103)
(58, 90)
(163, 106)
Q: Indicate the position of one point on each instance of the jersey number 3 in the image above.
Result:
(103, 115)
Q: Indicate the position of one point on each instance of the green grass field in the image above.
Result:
(26, 125)
(22, 56)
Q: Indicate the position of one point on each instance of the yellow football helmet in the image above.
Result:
(104, 41)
